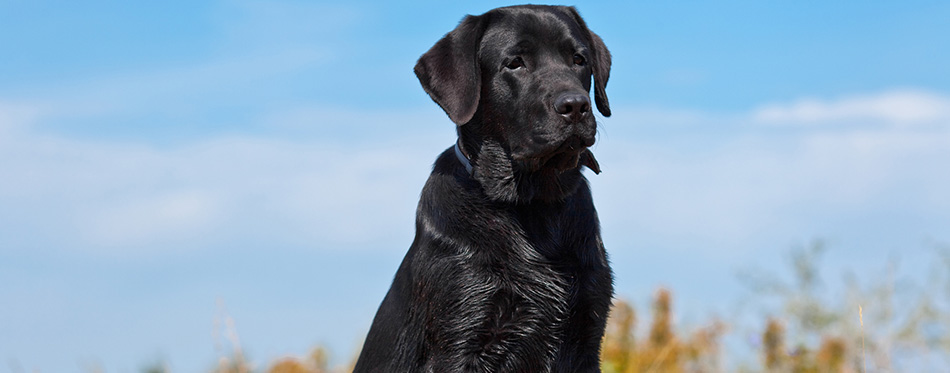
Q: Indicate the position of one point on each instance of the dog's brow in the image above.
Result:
(521, 47)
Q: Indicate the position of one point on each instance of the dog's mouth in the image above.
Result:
(572, 152)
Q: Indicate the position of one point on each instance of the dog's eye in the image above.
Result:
(515, 63)
(579, 60)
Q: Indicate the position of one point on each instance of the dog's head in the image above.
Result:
(516, 81)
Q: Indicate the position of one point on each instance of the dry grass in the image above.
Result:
(662, 350)
(907, 330)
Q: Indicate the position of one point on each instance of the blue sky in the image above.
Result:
(163, 165)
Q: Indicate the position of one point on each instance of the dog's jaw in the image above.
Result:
(573, 152)
(504, 179)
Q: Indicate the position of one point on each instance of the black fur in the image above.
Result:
(507, 272)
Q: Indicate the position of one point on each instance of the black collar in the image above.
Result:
(462, 158)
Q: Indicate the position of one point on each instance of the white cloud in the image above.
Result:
(710, 182)
(13, 116)
(175, 88)
(898, 107)
(696, 183)
(164, 218)
(113, 196)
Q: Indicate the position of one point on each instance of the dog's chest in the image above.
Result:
(546, 262)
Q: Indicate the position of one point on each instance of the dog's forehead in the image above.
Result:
(532, 27)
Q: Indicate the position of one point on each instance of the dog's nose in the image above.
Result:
(572, 106)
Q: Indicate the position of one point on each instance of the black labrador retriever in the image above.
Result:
(507, 271)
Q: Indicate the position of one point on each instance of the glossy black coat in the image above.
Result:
(507, 271)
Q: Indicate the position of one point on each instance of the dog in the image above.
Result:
(507, 271)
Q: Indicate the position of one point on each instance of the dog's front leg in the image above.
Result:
(583, 334)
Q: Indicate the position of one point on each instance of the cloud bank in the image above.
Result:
(666, 177)
(898, 107)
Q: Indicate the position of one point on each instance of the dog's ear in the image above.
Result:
(601, 69)
(450, 73)
(600, 65)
